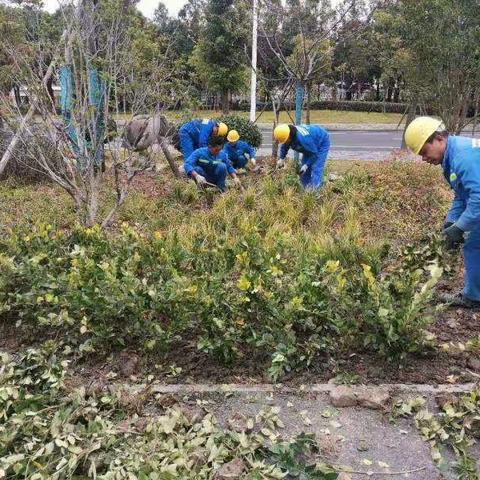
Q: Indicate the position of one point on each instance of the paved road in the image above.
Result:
(349, 145)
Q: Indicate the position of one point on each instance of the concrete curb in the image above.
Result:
(418, 389)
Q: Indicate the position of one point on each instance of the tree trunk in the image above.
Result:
(475, 117)
(307, 115)
(225, 100)
(388, 97)
(115, 92)
(49, 86)
(348, 94)
(124, 96)
(412, 109)
(16, 93)
(94, 191)
(299, 95)
(276, 118)
(396, 94)
(170, 159)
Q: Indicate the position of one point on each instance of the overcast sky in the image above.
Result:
(147, 7)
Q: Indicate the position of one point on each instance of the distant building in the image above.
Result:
(24, 97)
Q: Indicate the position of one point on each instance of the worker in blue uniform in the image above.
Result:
(313, 142)
(211, 165)
(460, 160)
(195, 134)
(239, 152)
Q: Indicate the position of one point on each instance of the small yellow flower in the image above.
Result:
(244, 283)
(332, 266)
(296, 302)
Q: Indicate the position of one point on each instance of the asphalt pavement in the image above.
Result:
(349, 140)
(349, 144)
(352, 144)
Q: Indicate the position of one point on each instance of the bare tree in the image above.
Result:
(93, 52)
(306, 59)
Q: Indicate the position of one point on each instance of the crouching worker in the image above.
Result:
(195, 134)
(460, 160)
(210, 165)
(239, 152)
(313, 142)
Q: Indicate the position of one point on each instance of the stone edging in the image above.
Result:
(420, 389)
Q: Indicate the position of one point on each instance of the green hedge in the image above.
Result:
(353, 106)
(248, 130)
(236, 298)
(360, 106)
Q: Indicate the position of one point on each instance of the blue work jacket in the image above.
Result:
(238, 150)
(312, 141)
(461, 167)
(203, 158)
(199, 130)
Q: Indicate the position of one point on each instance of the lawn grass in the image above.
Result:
(316, 116)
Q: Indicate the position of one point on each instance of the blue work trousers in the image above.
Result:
(240, 161)
(313, 177)
(471, 253)
(215, 173)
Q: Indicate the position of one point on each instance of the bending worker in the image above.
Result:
(239, 152)
(460, 160)
(195, 134)
(210, 165)
(313, 142)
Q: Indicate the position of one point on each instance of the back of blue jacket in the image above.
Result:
(203, 158)
(199, 130)
(311, 140)
(461, 167)
(238, 150)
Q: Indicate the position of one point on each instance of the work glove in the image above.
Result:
(303, 169)
(237, 182)
(446, 225)
(254, 162)
(280, 163)
(452, 236)
(201, 181)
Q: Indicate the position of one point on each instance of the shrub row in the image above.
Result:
(354, 106)
(234, 298)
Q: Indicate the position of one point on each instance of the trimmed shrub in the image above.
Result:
(248, 130)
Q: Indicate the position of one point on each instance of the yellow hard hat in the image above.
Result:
(233, 136)
(281, 133)
(418, 132)
(222, 129)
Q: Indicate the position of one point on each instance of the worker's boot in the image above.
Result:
(458, 300)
